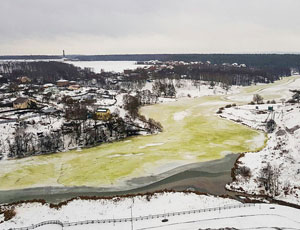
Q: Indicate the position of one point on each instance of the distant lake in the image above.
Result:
(108, 66)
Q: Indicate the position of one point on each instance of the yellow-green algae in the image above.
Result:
(199, 136)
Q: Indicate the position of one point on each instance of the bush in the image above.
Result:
(131, 104)
(245, 172)
(292, 101)
(271, 125)
(9, 214)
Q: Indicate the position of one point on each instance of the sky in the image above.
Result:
(148, 26)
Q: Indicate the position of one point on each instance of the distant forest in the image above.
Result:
(262, 68)
(270, 61)
(44, 71)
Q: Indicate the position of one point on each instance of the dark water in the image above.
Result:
(208, 177)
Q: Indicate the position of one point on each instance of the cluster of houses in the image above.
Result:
(53, 93)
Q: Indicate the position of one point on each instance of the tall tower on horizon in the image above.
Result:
(64, 54)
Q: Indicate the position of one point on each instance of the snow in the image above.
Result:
(180, 115)
(151, 145)
(185, 87)
(189, 88)
(191, 211)
(278, 90)
(282, 150)
(108, 66)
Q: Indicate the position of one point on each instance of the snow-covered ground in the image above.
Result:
(282, 151)
(192, 88)
(182, 211)
(277, 90)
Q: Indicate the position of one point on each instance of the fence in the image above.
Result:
(105, 221)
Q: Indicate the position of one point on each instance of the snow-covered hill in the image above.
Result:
(282, 152)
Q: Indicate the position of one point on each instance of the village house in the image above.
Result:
(24, 79)
(74, 87)
(62, 83)
(107, 96)
(48, 85)
(103, 114)
(24, 103)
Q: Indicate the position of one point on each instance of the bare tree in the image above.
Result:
(258, 99)
(269, 179)
(131, 104)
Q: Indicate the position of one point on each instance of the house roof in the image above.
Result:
(62, 80)
(20, 100)
(103, 110)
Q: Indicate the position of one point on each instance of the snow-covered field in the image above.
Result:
(277, 90)
(108, 66)
(188, 88)
(182, 211)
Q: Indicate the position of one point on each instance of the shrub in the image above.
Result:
(9, 214)
(245, 172)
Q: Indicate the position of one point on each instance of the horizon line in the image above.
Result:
(127, 54)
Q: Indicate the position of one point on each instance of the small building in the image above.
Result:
(48, 85)
(74, 87)
(24, 79)
(62, 83)
(103, 114)
(107, 96)
(127, 71)
(24, 103)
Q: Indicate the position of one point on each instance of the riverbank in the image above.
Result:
(280, 159)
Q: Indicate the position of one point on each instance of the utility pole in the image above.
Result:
(131, 207)
(131, 217)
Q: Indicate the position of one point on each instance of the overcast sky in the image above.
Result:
(149, 26)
